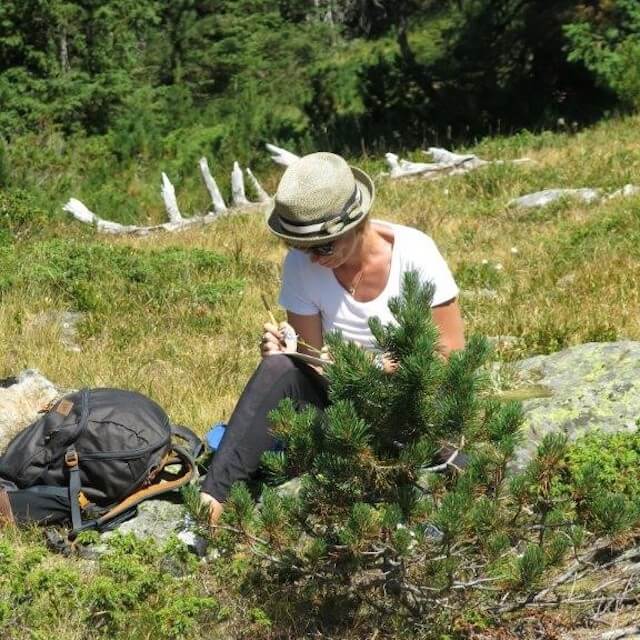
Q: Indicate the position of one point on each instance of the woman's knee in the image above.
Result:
(276, 366)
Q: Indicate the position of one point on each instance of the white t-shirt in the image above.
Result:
(309, 289)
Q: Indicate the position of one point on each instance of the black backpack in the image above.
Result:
(101, 452)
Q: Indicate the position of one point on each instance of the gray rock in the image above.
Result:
(21, 399)
(543, 198)
(195, 543)
(156, 519)
(592, 386)
(290, 489)
(65, 324)
(479, 294)
(159, 520)
(626, 191)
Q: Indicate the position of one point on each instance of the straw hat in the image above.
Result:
(319, 198)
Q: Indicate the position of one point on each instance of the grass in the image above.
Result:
(178, 316)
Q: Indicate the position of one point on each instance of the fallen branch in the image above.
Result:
(82, 213)
(177, 222)
(281, 156)
(212, 187)
(579, 565)
(169, 196)
(446, 163)
(575, 601)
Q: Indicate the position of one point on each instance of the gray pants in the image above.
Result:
(248, 433)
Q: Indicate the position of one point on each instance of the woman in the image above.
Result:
(341, 270)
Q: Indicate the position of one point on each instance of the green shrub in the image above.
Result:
(607, 460)
(19, 216)
(98, 276)
(128, 593)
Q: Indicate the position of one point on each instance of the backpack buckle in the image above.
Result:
(71, 458)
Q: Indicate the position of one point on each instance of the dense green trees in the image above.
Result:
(335, 73)
(606, 39)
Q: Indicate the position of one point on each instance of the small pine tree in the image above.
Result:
(373, 526)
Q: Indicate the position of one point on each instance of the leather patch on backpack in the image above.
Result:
(64, 407)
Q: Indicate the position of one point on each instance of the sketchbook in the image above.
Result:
(305, 357)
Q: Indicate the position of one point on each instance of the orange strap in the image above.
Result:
(144, 494)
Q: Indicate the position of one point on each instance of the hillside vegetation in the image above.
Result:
(178, 316)
(150, 79)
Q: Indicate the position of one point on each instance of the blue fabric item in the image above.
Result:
(215, 434)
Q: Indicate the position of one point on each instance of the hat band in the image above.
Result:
(351, 211)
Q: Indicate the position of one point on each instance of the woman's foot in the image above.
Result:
(214, 509)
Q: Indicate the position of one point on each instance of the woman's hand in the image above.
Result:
(389, 365)
(385, 362)
(278, 339)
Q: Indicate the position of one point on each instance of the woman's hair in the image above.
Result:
(363, 225)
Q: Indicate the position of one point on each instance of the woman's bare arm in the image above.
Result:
(446, 316)
(309, 330)
(448, 319)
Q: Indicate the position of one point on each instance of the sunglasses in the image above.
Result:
(321, 250)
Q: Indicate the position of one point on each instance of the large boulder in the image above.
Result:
(586, 387)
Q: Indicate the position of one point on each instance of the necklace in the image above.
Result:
(356, 282)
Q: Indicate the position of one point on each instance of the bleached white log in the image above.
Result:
(394, 165)
(419, 166)
(176, 222)
(169, 197)
(626, 191)
(212, 187)
(543, 198)
(83, 214)
(446, 163)
(403, 168)
(281, 156)
(238, 196)
(263, 196)
(80, 212)
(444, 157)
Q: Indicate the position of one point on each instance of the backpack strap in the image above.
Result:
(75, 487)
(187, 474)
(178, 455)
(195, 445)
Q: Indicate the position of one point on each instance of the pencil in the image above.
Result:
(266, 306)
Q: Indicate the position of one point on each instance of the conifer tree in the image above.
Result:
(373, 524)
